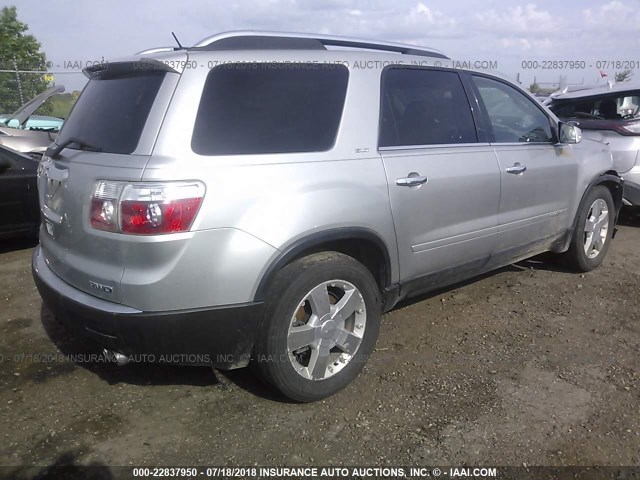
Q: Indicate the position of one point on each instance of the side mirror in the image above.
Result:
(569, 133)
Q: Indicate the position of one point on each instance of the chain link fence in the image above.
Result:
(11, 93)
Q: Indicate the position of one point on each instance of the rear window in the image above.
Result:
(270, 108)
(111, 113)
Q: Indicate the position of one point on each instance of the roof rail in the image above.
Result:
(259, 40)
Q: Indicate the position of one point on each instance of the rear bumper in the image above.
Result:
(222, 337)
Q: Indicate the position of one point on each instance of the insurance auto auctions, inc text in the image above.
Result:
(374, 472)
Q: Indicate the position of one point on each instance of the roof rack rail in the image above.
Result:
(260, 40)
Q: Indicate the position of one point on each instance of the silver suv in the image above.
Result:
(264, 197)
(610, 114)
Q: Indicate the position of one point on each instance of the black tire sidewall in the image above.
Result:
(289, 288)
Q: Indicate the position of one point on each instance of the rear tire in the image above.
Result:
(321, 322)
(592, 235)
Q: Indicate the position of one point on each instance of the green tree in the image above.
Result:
(534, 87)
(22, 50)
(623, 76)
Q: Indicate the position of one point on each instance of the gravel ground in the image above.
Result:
(528, 365)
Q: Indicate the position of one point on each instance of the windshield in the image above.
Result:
(618, 106)
(111, 113)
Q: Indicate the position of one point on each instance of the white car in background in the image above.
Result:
(25, 132)
(611, 114)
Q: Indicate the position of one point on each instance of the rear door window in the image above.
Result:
(270, 108)
(111, 112)
(424, 107)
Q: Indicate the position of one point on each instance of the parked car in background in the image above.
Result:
(19, 211)
(34, 122)
(610, 114)
(269, 209)
(25, 132)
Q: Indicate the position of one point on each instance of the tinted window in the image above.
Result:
(111, 113)
(424, 107)
(513, 116)
(270, 108)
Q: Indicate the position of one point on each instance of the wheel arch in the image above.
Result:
(360, 243)
(612, 181)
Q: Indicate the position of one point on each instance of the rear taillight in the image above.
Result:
(145, 208)
(104, 206)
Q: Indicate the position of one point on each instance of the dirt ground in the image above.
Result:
(528, 365)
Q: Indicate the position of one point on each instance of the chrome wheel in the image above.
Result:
(596, 228)
(326, 329)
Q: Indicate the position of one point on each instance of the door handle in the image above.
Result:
(413, 180)
(517, 169)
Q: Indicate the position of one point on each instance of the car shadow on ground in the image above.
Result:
(83, 353)
(549, 262)
(14, 244)
(248, 380)
(63, 467)
(87, 354)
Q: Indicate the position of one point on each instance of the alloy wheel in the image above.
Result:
(326, 329)
(596, 228)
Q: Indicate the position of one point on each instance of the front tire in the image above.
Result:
(593, 231)
(321, 322)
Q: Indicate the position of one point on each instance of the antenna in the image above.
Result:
(177, 41)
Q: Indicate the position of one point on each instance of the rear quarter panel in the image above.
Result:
(282, 198)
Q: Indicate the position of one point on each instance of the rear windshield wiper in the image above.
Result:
(54, 152)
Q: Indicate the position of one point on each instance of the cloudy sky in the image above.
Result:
(495, 30)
